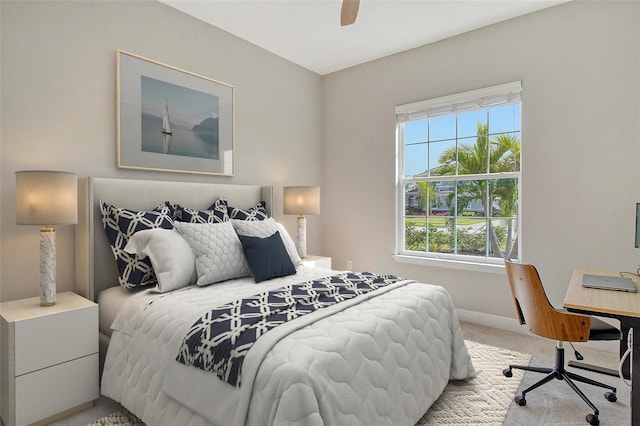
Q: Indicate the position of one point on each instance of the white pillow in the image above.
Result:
(172, 259)
(289, 244)
(266, 228)
(218, 251)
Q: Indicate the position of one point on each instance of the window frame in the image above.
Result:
(489, 97)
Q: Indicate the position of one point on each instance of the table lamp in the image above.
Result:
(301, 200)
(47, 198)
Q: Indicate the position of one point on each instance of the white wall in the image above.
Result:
(58, 99)
(580, 69)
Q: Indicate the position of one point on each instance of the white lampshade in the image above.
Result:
(46, 198)
(301, 200)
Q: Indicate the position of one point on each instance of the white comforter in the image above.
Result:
(379, 361)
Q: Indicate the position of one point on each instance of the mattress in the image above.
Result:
(379, 360)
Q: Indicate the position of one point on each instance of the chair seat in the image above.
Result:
(600, 330)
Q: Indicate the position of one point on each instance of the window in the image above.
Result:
(459, 176)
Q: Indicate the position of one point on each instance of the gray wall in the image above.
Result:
(58, 103)
(580, 69)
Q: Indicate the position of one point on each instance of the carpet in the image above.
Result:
(483, 400)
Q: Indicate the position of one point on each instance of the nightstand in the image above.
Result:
(317, 262)
(48, 358)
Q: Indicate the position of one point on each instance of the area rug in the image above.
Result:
(119, 418)
(483, 400)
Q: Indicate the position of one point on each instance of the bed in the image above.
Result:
(377, 358)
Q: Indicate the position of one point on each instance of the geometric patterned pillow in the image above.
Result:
(257, 212)
(120, 224)
(216, 213)
(173, 209)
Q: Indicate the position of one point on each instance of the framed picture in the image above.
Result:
(173, 120)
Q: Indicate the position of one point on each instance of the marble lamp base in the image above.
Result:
(301, 241)
(47, 266)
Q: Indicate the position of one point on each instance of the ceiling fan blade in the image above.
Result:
(349, 12)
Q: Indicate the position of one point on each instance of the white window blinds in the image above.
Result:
(482, 98)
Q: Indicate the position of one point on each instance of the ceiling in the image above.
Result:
(308, 32)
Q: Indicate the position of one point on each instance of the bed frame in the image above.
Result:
(95, 265)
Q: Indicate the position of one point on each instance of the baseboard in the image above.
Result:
(493, 321)
(511, 324)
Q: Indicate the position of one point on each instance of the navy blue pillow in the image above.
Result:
(267, 257)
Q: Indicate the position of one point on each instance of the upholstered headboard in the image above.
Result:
(95, 265)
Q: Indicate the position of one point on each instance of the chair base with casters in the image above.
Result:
(559, 372)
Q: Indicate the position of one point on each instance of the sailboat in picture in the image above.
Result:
(166, 125)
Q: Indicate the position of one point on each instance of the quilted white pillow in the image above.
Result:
(172, 259)
(218, 251)
(266, 228)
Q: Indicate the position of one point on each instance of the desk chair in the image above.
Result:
(535, 310)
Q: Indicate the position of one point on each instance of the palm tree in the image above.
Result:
(500, 155)
(507, 189)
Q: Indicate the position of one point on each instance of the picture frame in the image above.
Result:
(173, 120)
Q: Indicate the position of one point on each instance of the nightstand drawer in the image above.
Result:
(48, 340)
(44, 393)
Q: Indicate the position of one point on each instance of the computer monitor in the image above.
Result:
(637, 225)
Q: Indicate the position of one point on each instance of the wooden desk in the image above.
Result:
(620, 305)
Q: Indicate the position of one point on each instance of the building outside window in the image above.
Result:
(459, 176)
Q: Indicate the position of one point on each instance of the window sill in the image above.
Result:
(492, 268)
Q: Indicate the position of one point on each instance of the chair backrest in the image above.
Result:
(535, 310)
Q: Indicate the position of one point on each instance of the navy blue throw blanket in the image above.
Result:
(220, 339)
